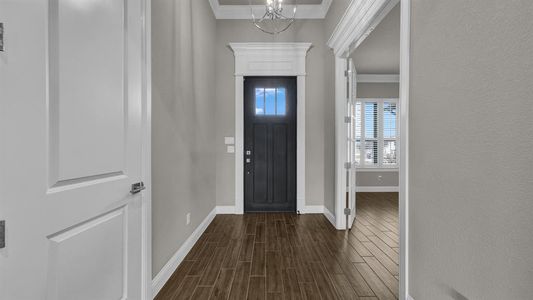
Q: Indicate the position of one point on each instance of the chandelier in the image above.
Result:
(274, 20)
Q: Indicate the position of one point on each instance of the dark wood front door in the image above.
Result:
(270, 144)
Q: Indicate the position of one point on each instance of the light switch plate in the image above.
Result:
(230, 149)
(229, 140)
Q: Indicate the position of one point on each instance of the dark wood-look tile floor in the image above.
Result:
(286, 256)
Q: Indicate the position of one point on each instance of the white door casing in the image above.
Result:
(269, 59)
(71, 123)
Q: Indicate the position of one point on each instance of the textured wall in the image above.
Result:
(318, 110)
(471, 168)
(183, 115)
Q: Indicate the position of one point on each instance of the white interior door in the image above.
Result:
(351, 86)
(70, 124)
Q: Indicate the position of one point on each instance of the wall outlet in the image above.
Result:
(188, 218)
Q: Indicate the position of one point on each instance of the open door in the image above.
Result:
(351, 130)
(71, 134)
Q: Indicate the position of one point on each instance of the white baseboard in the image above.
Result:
(329, 216)
(310, 209)
(313, 209)
(168, 269)
(377, 189)
(225, 210)
(409, 297)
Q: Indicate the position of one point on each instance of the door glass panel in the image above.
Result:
(281, 105)
(259, 101)
(270, 101)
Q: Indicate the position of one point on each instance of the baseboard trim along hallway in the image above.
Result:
(170, 267)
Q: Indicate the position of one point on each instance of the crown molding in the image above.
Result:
(242, 12)
(359, 20)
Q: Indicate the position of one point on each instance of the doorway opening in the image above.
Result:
(368, 142)
(270, 144)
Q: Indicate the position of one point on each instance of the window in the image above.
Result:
(270, 102)
(376, 133)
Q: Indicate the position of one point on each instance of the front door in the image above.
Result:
(71, 134)
(270, 144)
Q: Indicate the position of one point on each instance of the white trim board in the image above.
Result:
(146, 173)
(329, 216)
(359, 20)
(309, 209)
(243, 12)
(225, 210)
(378, 78)
(378, 170)
(170, 267)
(269, 59)
(405, 42)
(377, 189)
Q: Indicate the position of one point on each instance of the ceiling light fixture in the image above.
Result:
(274, 20)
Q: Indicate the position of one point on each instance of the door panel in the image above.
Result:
(279, 162)
(87, 121)
(71, 126)
(270, 144)
(102, 237)
(260, 170)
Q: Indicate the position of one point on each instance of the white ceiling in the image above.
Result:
(379, 53)
(258, 2)
(240, 9)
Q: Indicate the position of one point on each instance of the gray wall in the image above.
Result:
(471, 166)
(183, 117)
(319, 109)
(334, 15)
(377, 90)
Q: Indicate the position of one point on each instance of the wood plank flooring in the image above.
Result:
(289, 256)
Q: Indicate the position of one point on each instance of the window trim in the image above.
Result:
(380, 139)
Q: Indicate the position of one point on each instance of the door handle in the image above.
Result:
(137, 187)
